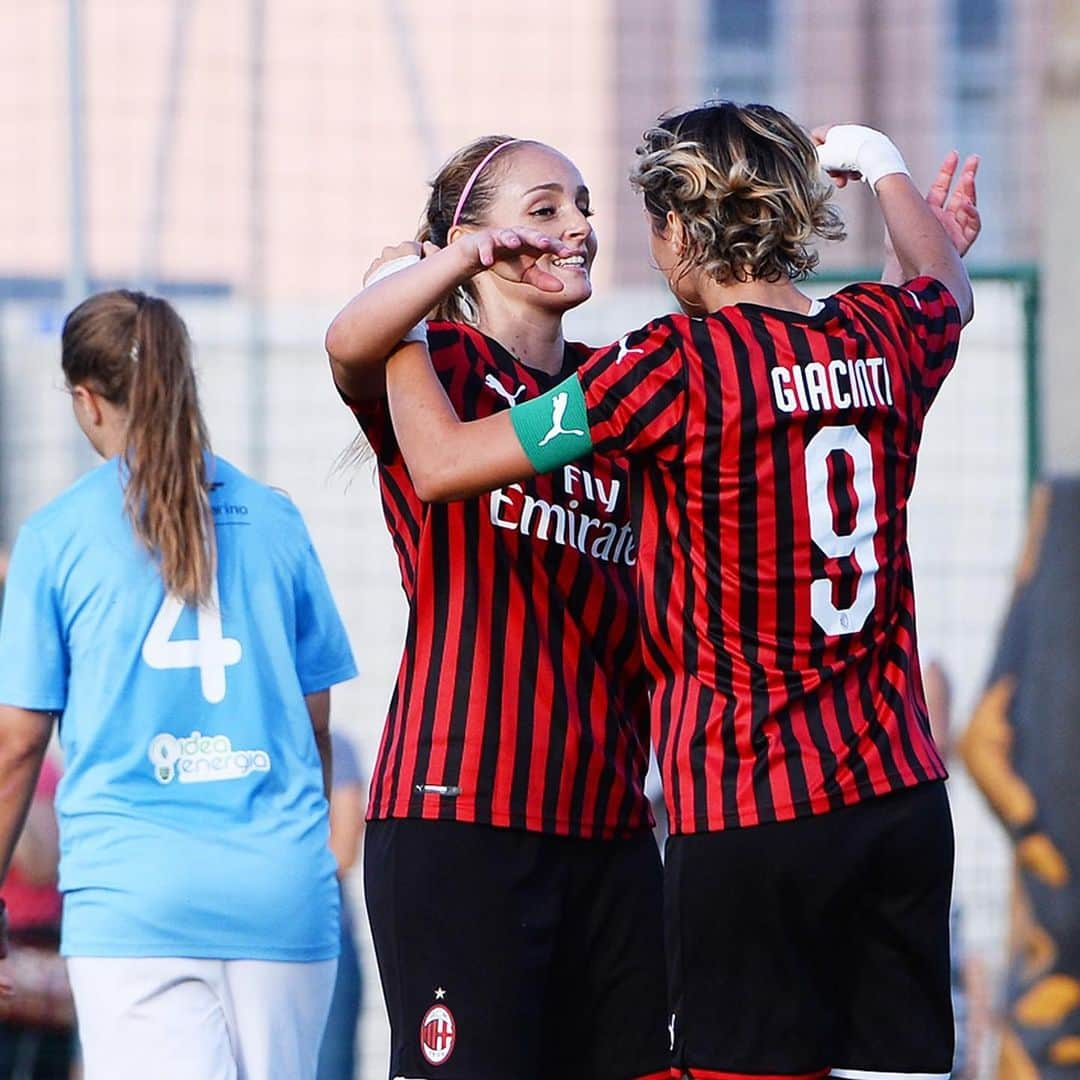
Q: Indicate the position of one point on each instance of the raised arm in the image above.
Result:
(405, 288)
(375, 321)
(922, 246)
(957, 210)
(921, 243)
(447, 458)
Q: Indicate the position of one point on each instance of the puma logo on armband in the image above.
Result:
(558, 411)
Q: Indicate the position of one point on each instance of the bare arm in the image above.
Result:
(37, 851)
(373, 323)
(24, 737)
(848, 151)
(958, 212)
(447, 459)
(922, 246)
(318, 706)
(346, 824)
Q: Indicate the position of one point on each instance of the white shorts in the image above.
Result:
(179, 1019)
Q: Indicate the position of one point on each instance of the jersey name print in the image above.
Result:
(521, 698)
(772, 456)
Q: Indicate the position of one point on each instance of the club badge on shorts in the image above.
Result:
(438, 1032)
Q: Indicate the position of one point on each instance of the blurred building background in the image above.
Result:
(248, 158)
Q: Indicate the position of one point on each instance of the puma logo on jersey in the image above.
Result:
(492, 383)
(558, 411)
(624, 352)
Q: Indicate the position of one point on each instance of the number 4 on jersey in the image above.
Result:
(210, 652)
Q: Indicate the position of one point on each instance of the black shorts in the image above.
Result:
(812, 946)
(508, 955)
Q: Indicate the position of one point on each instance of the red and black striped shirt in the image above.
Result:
(772, 456)
(522, 696)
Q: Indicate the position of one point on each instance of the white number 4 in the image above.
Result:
(210, 652)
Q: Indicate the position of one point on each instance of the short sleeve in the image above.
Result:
(374, 419)
(933, 318)
(323, 655)
(635, 392)
(34, 661)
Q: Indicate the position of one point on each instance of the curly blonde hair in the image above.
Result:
(745, 183)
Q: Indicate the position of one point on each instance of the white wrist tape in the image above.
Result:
(854, 148)
(419, 331)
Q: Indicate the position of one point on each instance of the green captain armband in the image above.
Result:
(553, 429)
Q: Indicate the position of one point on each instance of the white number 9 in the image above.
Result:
(860, 542)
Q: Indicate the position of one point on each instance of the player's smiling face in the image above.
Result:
(543, 189)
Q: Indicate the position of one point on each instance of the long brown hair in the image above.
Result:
(446, 188)
(135, 352)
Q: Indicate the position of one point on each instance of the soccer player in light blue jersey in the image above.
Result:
(173, 614)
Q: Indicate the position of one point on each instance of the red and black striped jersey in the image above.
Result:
(522, 696)
(772, 456)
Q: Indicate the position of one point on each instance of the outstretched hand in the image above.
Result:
(957, 212)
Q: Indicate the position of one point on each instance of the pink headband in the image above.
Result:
(467, 189)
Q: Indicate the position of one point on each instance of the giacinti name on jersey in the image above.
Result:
(839, 384)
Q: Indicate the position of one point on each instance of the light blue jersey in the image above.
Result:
(192, 816)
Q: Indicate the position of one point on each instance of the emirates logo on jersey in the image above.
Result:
(438, 1033)
(571, 521)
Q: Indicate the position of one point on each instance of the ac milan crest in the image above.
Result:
(438, 1033)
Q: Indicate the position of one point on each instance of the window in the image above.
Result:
(980, 82)
(741, 60)
(740, 22)
(977, 24)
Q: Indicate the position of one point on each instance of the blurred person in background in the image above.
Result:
(1022, 749)
(37, 1037)
(338, 1055)
(971, 1011)
(173, 613)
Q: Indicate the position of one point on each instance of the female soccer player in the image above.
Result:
(772, 442)
(512, 882)
(173, 613)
